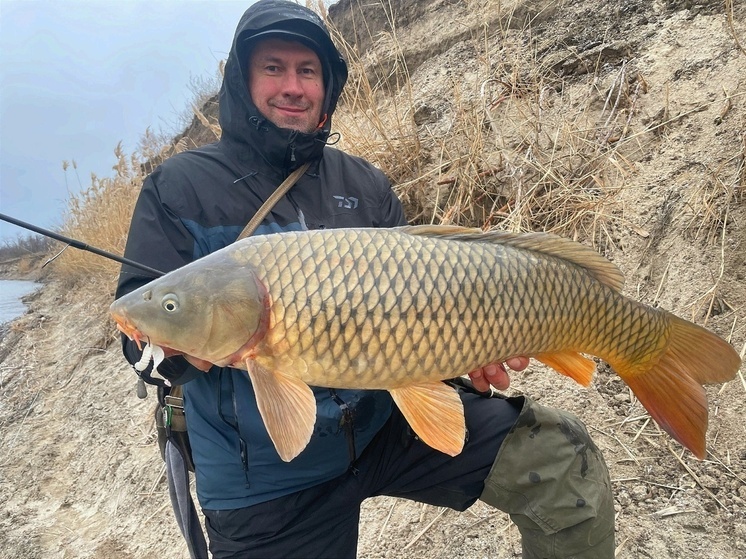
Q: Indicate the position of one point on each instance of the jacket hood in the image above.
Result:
(243, 126)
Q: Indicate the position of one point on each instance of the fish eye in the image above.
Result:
(170, 303)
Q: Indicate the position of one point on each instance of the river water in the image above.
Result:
(11, 292)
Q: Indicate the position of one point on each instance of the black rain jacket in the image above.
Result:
(199, 201)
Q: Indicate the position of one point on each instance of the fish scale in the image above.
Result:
(384, 292)
(402, 309)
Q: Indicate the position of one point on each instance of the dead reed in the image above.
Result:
(99, 215)
(512, 148)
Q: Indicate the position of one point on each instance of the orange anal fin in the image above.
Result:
(570, 364)
(287, 406)
(435, 412)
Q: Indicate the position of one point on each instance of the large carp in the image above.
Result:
(402, 309)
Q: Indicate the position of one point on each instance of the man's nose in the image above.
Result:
(292, 84)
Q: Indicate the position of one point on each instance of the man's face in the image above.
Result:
(286, 84)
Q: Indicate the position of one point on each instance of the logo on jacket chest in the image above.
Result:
(349, 203)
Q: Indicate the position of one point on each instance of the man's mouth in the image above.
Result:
(291, 109)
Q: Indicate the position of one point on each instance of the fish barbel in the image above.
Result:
(402, 309)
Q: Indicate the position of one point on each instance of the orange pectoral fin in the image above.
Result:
(287, 406)
(434, 411)
(570, 364)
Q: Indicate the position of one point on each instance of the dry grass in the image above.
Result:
(515, 150)
(99, 216)
(711, 200)
(374, 120)
(729, 11)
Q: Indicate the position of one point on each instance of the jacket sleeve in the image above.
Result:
(158, 239)
(391, 210)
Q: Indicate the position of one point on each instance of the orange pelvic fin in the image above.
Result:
(435, 412)
(570, 364)
(672, 391)
(287, 406)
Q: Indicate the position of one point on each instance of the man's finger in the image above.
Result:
(478, 380)
(493, 374)
(517, 363)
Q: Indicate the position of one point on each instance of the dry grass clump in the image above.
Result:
(711, 200)
(99, 216)
(514, 146)
(564, 151)
(374, 119)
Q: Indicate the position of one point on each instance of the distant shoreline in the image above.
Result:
(6, 324)
(11, 269)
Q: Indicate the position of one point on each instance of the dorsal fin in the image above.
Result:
(545, 243)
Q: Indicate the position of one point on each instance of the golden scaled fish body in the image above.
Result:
(402, 309)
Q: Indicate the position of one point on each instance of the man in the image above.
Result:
(283, 78)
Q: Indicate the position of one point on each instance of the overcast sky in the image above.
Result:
(78, 76)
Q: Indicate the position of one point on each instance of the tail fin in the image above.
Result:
(672, 390)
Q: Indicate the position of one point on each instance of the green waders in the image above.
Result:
(553, 481)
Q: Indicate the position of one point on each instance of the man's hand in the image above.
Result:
(495, 374)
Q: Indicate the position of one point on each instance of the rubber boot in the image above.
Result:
(554, 483)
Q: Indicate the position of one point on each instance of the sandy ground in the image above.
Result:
(80, 475)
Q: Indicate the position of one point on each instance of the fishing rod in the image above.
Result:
(80, 245)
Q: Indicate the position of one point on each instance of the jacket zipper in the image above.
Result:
(242, 446)
(347, 424)
(291, 139)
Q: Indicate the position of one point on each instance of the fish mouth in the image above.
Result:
(129, 330)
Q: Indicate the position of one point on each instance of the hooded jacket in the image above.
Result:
(198, 202)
